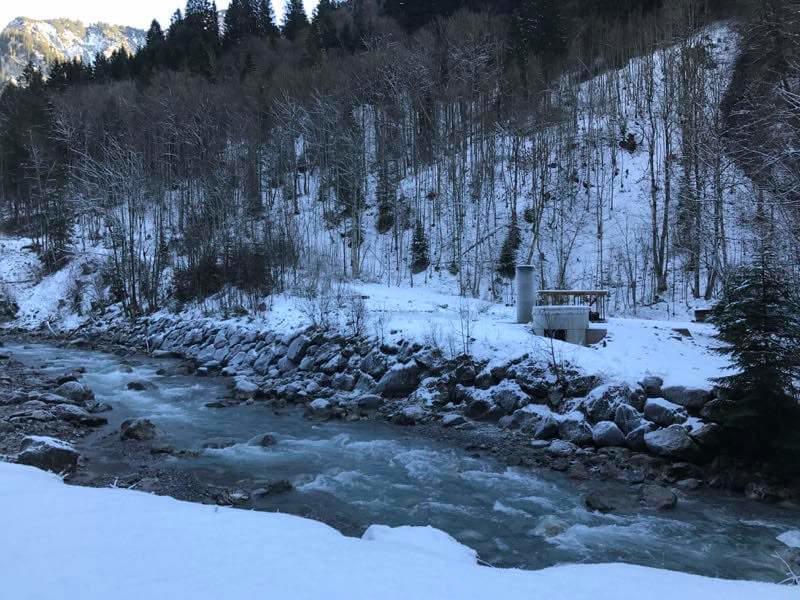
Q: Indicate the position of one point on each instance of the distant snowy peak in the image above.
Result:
(42, 42)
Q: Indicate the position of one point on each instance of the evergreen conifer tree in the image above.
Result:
(758, 319)
(420, 261)
(266, 20)
(295, 20)
(507, 265)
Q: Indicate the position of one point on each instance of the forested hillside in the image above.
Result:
(409, 143)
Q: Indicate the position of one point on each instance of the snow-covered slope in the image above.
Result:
(70, 542)
(41, 42)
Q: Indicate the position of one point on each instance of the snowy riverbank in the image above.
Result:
(71, 542)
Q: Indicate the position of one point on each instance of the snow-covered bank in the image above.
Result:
(69, 542)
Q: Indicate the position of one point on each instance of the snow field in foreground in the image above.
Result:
(71, 542)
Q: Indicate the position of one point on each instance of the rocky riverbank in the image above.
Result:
(521, 412)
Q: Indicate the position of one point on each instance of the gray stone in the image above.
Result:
(77, 392)
(297, 349)
(453, 420)
(635, 439)
(664, 413)
(365, 383)
(550, 526)
(138, 429)
(627, 418)
(76, 414)
(370, 402)
(400, 380)
(409, 416)
(547, 429)
(607, 434)
(561, 448)
(265, 441)
(141, 386)
(576, 431)
(660, 498)
(344, 382)
(600, 502)
(478, 408)
(601, 403)
(509, 396)
(673, 442)
(319, 409)
(691, 398)
(708, 435)
(285, 365)
(652, 386)
(48, 454)
(375, 364)
(244, 389)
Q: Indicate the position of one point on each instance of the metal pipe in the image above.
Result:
(526, 292)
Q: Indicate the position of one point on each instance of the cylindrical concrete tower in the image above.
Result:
(526, 292)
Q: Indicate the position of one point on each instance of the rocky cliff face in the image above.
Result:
(42, 42)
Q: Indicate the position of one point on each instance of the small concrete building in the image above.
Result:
(564, 323)
(560, 314)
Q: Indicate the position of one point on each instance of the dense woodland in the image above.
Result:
(399, 141)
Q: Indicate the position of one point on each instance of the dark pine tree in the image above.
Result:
(758, 319)
(507, 265)
(420, 261)
(295, 21)
(387, 198)
(266, 21)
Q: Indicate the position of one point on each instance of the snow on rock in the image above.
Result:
(790, 538)
(126, 545)
(49, 454)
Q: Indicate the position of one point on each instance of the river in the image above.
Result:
(361, 473)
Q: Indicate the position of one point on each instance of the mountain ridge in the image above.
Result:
(41, 41)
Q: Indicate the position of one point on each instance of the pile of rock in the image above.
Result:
(334, 376)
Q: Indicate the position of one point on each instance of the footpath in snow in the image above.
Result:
(70, 542)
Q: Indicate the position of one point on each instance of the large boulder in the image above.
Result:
(673, 443)
(627, 418)
(370, 402)
(664, 413)
(75, 391)
(601, 403)
(509, 396)
(48, 454)
(375, 364)
(690, 398)
(453, 420)
(660, 498)
(478, 408)
(400, 380)
(140, 430)
(244, 389)
(635, 439)
(76, 414)
(575, 430)
(606, 434)
(600, 502)
(547, 429)
(297, 349)
(319, 410)
(708, 436)
(651, 386)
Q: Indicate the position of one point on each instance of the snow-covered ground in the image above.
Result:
(71, 542)
(635, 347)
